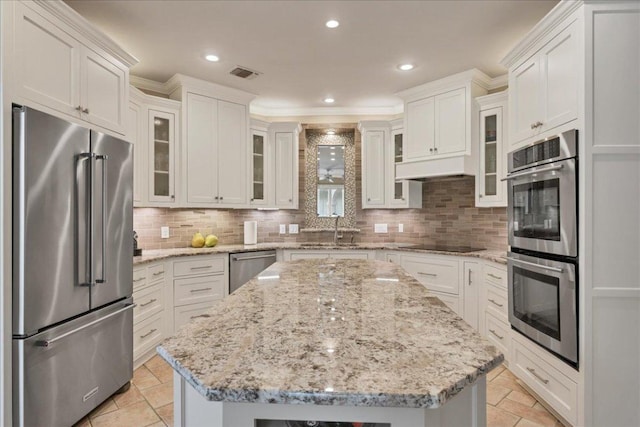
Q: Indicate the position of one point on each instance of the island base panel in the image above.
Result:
(191, 409)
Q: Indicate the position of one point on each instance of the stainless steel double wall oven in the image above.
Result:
(543, 230)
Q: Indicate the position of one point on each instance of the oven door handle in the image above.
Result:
(526, 173)
(533, 264)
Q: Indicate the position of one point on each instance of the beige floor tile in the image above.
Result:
(522, 397)
(531, 414)
(129, 397)
(508, 374)
(497, 371)
(155, 361)
(495, 393)
(107, 406)
(83, 423)
(498, 418)
(509, 383)
(137, 415)
(526, 423)
(166, 413)
(160, 424)
(143, 378)
(159, 395)
(162, 371)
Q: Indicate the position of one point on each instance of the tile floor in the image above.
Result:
(149, 402)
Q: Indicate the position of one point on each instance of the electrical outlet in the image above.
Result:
(164, 232)
(400, 228)
(293, 228)
(283, 228)
(380, 228)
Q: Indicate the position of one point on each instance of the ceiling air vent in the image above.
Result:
(244, 72)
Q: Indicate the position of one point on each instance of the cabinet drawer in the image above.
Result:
(139, 278)
(308, 255)
(436, 274)
(553, 386)
(498, 332)
(155, 273)
(198, 289)
(199, 266)
(147, 334)
(149, 302)
(495, 275)
(186, 313)
(497, 302)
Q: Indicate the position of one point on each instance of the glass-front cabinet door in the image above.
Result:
(398, 190)
(161, 156)
(405, 193)
(259, 160)
(490, 188)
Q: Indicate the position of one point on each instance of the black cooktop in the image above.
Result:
(446, 248)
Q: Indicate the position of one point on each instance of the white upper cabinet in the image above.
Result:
(261, 158)
(544, 87)
(285, 137)
(381, 150)
(215, 153)
(491, 191)
(450, 122)
(232, 154)
(373, 167)
(439, 118)
(57, 69)
(153, 126)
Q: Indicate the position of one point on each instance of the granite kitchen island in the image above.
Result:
(330, 340)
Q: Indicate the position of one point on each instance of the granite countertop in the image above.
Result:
(159, 254)
(331, 332)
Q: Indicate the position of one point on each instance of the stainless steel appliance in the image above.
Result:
(542, 198)
(72, 272)
(543, 302)
(244, 266)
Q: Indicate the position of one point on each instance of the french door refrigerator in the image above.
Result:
(72, 270)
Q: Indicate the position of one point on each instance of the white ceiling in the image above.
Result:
(302, 61)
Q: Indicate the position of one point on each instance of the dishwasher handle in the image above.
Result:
(237, 258)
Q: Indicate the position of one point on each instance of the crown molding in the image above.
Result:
(146, 84)
(470, 76)
(551, 20)
(78, 23)
(326, 111)
(294, 127)
(498, 82)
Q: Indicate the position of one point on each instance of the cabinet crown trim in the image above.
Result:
(294, 127)
(446, 84)
(551, 20)
(366, 125)
(76, 21)
(493, 98)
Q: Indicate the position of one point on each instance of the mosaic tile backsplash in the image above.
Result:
(448, 215)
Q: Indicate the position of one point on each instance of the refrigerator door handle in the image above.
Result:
(104, 158)
(50, 342)
(90, 181)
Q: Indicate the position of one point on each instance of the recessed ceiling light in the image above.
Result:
(405, 67)
(329, 100)
(212, 58)
(331, 132)
(332, 23)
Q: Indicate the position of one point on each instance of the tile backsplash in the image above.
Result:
(448, 216)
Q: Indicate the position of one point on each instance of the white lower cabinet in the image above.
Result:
(198, 283)
(499, 333)
(436, 273)
(451, 301)
(553, 380)
(149, 295)
(471, 285)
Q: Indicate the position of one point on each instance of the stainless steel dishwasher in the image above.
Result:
(244, 266)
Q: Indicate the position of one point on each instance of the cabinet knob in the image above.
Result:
(369, 199)
(220, 197)
(435, 149)
(216, 197)
(290, 200)
(402, 198)
(85, 110)
(78, 108)
(252, 199)
(173, 196)
(480, 196)
(431, 150)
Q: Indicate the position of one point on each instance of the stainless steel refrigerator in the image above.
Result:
(72, 271)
